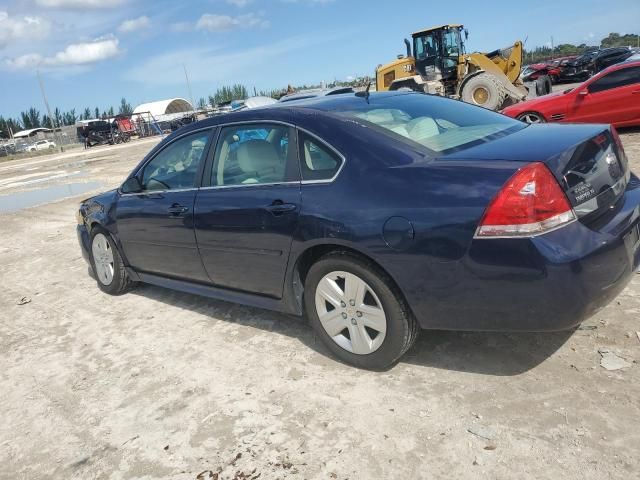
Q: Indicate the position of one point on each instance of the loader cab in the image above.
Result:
(437, 52)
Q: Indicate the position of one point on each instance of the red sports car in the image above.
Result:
(612, 96)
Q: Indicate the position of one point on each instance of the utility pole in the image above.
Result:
(193, 105)
(46, 104)
(551, 46)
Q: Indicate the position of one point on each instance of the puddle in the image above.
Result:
(21, 200)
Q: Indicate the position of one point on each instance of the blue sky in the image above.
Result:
(93, 52)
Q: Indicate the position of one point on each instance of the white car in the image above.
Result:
(42, 145)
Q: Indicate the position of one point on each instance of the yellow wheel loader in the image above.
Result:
(440, 65)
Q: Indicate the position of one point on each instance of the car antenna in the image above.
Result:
(365, 94)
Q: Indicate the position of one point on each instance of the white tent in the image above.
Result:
(31, 132)
(164, 107)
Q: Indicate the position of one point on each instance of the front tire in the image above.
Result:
(357, 311)
(484, 90)
(107, 264)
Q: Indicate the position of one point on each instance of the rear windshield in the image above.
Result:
(440, 125)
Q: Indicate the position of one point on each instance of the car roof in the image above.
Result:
(318, 92)
(285, 111)
(621, 65)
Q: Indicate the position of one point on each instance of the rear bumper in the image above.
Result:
(547, 283)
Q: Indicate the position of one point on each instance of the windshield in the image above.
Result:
(440, 125)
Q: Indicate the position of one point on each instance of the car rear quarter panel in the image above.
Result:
(442, 199)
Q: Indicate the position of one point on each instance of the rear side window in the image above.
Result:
(317, 160)
(616, 79)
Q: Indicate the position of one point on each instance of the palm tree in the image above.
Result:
(125, 108)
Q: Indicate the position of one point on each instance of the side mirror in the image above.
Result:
(131, 185)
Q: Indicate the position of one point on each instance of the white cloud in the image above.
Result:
(134, 24)
(23, 62)
(80, 3)
(222, 23)
(239, 3)
(14, 29)
(73, 55)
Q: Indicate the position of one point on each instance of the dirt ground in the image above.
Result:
(158, 384)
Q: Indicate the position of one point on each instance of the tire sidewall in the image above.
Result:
(115, 285)
(394, 343)
(483, 80)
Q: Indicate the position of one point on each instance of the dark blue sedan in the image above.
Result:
(377, 215)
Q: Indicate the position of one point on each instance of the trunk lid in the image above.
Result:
(587, 160)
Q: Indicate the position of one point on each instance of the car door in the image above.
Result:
(155, 225)
(246, 217)
(612, 98)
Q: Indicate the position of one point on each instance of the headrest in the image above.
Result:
(256, 156)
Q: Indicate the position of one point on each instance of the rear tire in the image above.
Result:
(484, 90)
(366, 322)
(543, 86)
(107, 264)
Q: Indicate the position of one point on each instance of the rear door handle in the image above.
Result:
(279, 208)
(176, 209)
(635, 92)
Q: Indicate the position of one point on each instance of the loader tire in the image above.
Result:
(543, 85)
(484, 90)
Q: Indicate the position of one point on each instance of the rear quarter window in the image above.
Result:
(318, 161)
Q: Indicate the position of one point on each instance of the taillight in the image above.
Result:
(530, 203)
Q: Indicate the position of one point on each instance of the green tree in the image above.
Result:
(228, 94)
(202, 103)
(125, 108)
(57, 116)
(87, 114)
(96, 113)
(31, 118)
(70, 117)
(617, 40)
(110, 113)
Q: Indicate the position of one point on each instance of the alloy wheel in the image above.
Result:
(350, 312)
(531, 117)
(103, 259)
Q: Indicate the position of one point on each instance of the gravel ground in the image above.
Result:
(158, 384)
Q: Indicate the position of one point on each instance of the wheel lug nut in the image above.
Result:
(344, 315)
(342, 304)
(359, 314)
(353, 321)
(352, 303)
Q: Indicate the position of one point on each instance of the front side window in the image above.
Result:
(616, 79)
(317, 161)
(252, 154)
(177, 165)
(425, 47)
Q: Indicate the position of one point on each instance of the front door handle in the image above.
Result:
(176, 210)
(278, 207)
